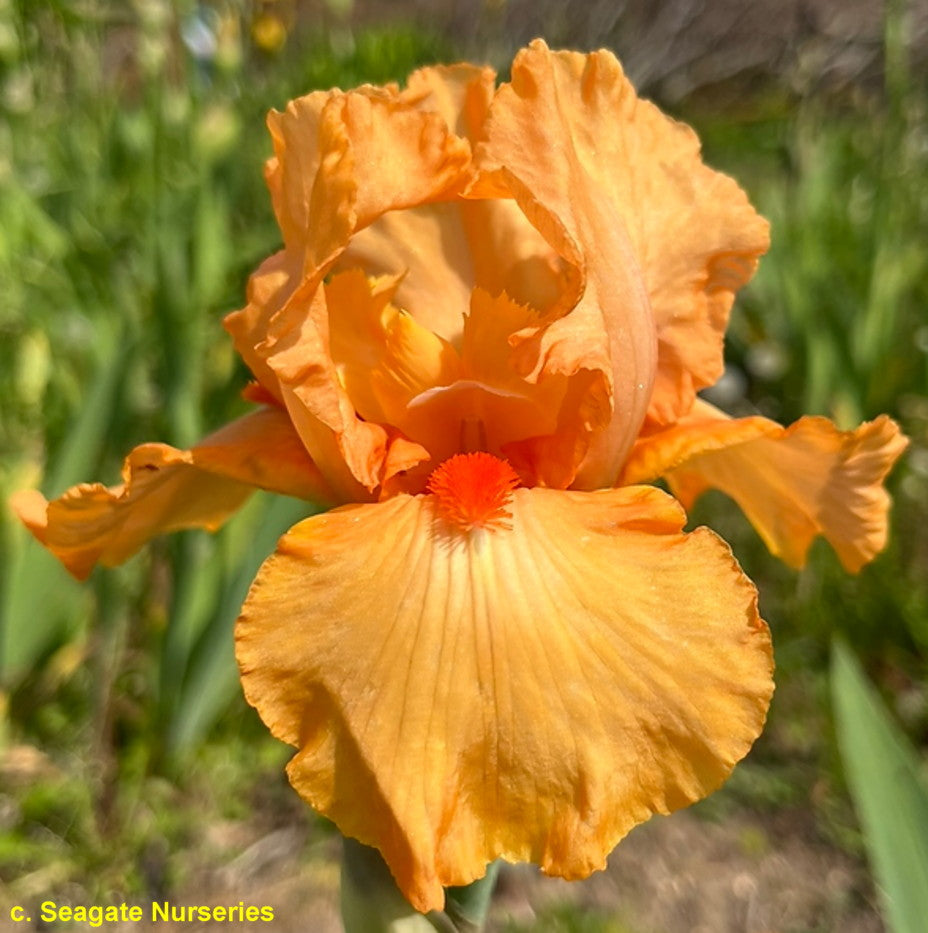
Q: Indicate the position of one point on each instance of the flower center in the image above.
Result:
(474, 490)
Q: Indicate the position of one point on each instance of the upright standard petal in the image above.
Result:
(552, 143)
(291, 171)
(681, 235)
(269, 288)
(376, 153)
(525, 678)
(165, 489)
(344, 159)
(447, 249)
(793, 483)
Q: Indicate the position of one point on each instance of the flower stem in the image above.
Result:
(371, 902)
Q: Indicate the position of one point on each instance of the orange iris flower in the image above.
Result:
(485, 331)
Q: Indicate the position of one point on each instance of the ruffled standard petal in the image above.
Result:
(553, 145)
(444, 250)
(374, 153)
(165, 489)
(793, 483)
(269, 289)
(663, 236)
(528, 690)
(344, 159)
(460, 94)
(291, 171)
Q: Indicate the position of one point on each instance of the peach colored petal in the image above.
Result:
(460, 94)
(344, 159)
(448, 249)
(558, 137)
(165, 489)
(793, 483)
(428, 247)
(376, 153)
(483, 403)
(269, 288)
(551, 459)
(529, 693)
(384, 358)
(290, 172)
(352, 453)
(348, 451)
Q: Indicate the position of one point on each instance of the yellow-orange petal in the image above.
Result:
(529, 693)
(793, 483)
(448, 248)
(427, 240)
(344, 159)
(482, 402)
(291, 171)
(690, 231)
(428, 250)
(558, 137)
(165, 489)
(460, 94)
(269, 288)
(383, 356)
(353, 454)
(374, 153)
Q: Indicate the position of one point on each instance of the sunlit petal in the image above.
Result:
(165, 489)
(448, 249)
(460, 94)
(375, 153)
(574, 110)
(384, 357)
(531, 689)
(269, 288)
(290, 172)
(793, 483)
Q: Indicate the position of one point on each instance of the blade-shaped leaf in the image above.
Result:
(888, 791)
(210, 673)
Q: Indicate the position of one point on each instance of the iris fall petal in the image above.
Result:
(165, 489)
(530, 692)
(793, 483)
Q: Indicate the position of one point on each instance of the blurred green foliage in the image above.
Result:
(570, 918)
(889, 790)
(131, 147)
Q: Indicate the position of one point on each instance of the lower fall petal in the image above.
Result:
(165, 489)
(529, 690)
(793, 483)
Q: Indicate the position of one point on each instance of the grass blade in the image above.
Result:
(211, 679)
(888, 791)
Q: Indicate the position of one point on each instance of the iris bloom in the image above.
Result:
(483, 336)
